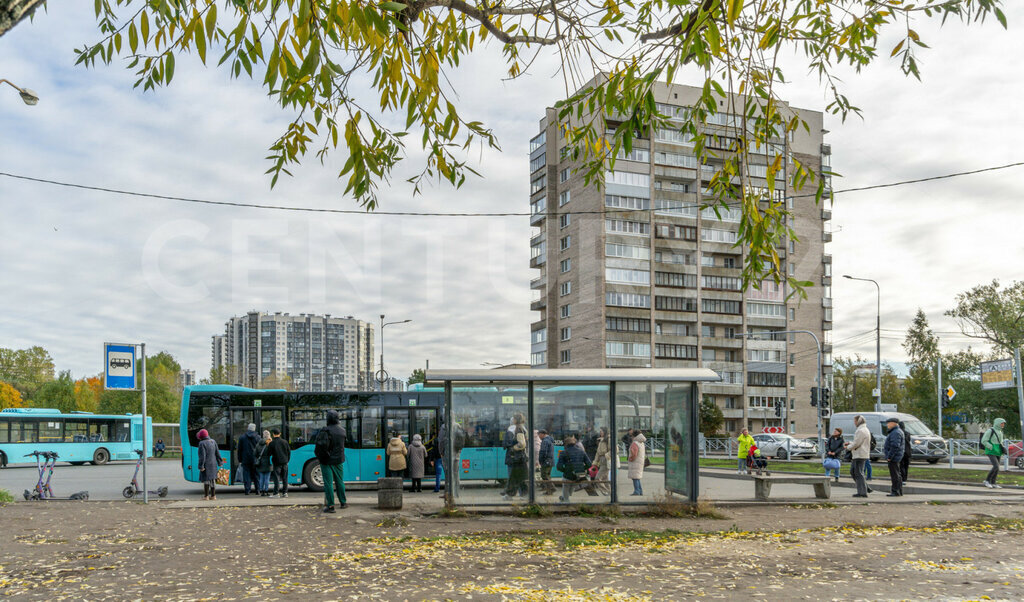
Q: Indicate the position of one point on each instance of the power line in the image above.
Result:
(436, 214)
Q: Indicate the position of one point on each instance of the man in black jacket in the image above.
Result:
(907, 448)
(280, 454)
(246, 451)
(894, 448)
(330, 451)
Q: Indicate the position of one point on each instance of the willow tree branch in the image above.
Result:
(13, 12)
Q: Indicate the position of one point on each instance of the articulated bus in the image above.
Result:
(77, 437)
(369, 418)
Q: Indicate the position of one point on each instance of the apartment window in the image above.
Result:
(675, 160)
(672, 136)
(728, 262)
(627, 325)
(566, 333)
(565, 242)
(673, 257)
(537, 142)
(722, 214)
(565, 311)
(766, 379)
(615, 299)
(565, 265)
(640, 155)
(708, 355)
(720, 306)
(675, 280)
(671, 231)
(563, 175)
(626, 178)
(730, 333)
(792, 403)
(538, 162)
(626, 202)
(539, 358)
(707, 330)
(539, 205)
(792, 269)
(792, 313)
(792, 382)
(675, 352)
(767, 310)
(564, 288)
(565, 356)
(666, 303)
(674, 207)
(731, 378)
(563, 220)
(539, 336)
(765, 401)
(626, 251)
(792, 359)
(707, 261)
(621, 349)
(721, 283)
(764, 355)
(792, 246)
(641, 277)
(564, 198)
(714, 235)
(538, 184)
(619, 226)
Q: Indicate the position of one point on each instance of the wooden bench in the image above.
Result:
(763, 485)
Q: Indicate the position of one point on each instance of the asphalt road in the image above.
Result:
(102, 482)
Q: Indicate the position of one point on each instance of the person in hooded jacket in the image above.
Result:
(209, 462)
(417, 463)
(637, 455)
(330, 451)
(993, 443)
(603, 460)
(396, 452)
(246, 450)
(263, 465)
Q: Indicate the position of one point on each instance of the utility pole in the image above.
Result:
(1020, 390)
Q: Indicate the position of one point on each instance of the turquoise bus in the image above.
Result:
(76, 437)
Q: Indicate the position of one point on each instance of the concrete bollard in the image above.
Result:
(389, 493)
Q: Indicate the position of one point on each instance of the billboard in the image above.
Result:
(997, 374)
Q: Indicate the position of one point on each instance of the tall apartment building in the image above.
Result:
(634, 274)
(186, 378)
(318, 353)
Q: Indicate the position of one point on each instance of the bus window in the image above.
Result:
(303, 426)
(371, 436)
(99, 430)
(122, 430)
(76, 431)
(397, 421)
(5, 436)
(29, 432)
(212, 418)
(50, 431)
(426, 424)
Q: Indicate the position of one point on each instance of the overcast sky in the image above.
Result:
(78, 268)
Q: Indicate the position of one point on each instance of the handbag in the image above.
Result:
(223, 476)
(830, 464)
(647, 461)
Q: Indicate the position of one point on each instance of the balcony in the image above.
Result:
(732, 412)
(826, 302)
(826, 236)
(539, 283)
(539, 304)
(538, 261)
(537, 219)
(826, 214)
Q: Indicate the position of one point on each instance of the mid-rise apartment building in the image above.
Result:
(317, 353)
(186, 378)
(634, 273)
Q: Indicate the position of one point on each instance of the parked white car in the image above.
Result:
(784, 446)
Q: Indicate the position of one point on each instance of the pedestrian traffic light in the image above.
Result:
(814, 396)
(824, 412)
(945, 398)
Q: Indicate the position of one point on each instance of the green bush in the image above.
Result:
(6, 497)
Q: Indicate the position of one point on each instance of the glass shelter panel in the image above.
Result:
(639, 432)
(485, 464)
(575, 451)
(679, 444)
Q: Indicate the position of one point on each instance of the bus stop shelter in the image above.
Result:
(603, 410)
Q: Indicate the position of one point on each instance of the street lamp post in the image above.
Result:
(27, 95)
(382, 374)
(878, 342)
(817, 376)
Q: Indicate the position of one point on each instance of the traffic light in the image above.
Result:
(824, 412)
(945, 398)
(778, 408)
(826, 397)
(814, 396)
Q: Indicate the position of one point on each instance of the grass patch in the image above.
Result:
(668, 506)
(6, 497)
(937, 502)
(533, 511)
(393, 521)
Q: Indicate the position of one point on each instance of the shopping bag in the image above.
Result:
(223, 476)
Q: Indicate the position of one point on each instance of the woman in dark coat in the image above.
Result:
(417, 462)
(210, 461)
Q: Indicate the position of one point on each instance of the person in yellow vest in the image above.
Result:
(745, 441)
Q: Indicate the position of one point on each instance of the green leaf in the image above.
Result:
(200, 39)
(395, 7)
(169, 67)
(735, 6)
(211, 20)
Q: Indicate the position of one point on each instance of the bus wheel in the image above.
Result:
(313, 476)
(100, 457)
(3, 460)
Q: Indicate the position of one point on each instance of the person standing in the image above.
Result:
(546, 458)
(263, 465)
(907, 449)
(744, 442)
(603, 461)
(516, 457)
(637, 461)
(246, 450)
(833, 450)
(396, 453)
(209, 462)
(434, 460)
(417, 463)
(994, 444)
(860, 451)
(280, 454)
(330, 451)
(893, 451)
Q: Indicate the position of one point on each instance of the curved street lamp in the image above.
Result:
(878, 341)
(30, 97)
(382, 375)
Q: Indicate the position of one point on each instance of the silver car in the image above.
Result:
(784, 446)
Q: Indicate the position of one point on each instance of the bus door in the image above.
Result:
(425, 425)
(241, 418)
(397, 420)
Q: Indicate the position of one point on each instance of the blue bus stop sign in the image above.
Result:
(119, 372)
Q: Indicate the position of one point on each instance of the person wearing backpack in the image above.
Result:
(330, 451)
(246, 450)
(263, 466)
(993, 443)
(516, 458)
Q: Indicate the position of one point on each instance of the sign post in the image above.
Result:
(119, 374)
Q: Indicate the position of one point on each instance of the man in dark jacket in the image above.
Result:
(246, 453)
(894, 448)
(330, 451)
(907, 448)
(572, 463)
(546, 459)
(280, 454)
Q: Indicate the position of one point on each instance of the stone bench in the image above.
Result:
(763, 485)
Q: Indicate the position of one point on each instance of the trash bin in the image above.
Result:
(389, 493)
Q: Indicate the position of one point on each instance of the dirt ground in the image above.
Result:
(123, 550)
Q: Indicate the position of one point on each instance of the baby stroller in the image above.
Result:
(755, 461)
